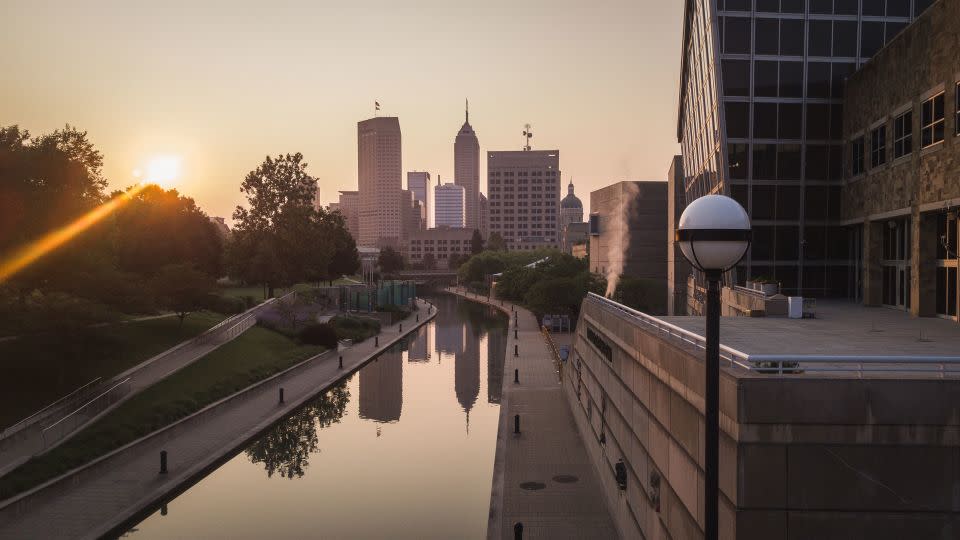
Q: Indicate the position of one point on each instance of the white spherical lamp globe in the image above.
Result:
(714, 233)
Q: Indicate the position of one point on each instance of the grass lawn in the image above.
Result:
(39, 370)
(256, 291)
(255, 355)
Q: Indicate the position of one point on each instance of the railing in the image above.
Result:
(793, 364)
(62, 402)
(66, 425)
(557, 361)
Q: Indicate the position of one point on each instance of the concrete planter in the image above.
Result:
(770, 289)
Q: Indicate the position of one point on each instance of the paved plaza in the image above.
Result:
(543, 477)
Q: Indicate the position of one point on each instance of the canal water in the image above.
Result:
(403, 448)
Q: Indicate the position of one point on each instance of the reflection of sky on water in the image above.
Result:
(403, 449)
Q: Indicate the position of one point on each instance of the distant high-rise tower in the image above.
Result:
(380, 179)
(419, 183)
(350, 209)
(449, 203)
(466, 171)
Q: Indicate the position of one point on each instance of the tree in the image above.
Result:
(181, 289)
(476, 242)
(429, 262)
(346, 259)
(390, 261)
(456, 260)
(157, 227)
(280, 197)
(496, 242)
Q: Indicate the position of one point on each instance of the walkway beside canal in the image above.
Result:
(542, 477)
(101, 497)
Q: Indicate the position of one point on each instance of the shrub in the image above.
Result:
(355, 329)
(319, 334)
(227, 305)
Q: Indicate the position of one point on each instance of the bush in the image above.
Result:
(319, 334)
(646, 295)
(355, 329)
(227, 305)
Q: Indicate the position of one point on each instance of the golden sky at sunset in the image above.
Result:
(219, 85)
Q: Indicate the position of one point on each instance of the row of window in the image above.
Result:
(429, 241)
(785, 79)
(523, 173)
(932, 128)
(871, 8)
(783, 161)
(785, 37)
(783, 202)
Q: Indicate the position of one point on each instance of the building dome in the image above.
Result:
(571, 200)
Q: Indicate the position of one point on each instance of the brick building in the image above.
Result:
(441, 243)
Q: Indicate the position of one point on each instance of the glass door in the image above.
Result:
(895, 263)
(947, 266)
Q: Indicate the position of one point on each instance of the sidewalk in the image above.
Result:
(97, 499)
(561, 495)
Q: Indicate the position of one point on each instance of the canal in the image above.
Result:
(402, 448)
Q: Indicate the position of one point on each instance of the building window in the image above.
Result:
(878, 146)
(931, 119)
(903, 134)
(856, 156)
(956, 120)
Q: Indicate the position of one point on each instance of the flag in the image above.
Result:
(377, 105)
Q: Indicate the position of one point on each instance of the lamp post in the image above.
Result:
(714, 234)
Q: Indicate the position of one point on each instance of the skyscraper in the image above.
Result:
(380, 179)
(524, 189)
(350, 209)
(760, 119)
(466, 171)
(449, 205)
(419, 183)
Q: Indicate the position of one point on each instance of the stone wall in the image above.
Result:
(924, 58)
(801, 456)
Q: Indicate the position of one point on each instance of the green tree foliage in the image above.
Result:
(47, 182)
(281, 238)
(182, 289)
(496, 242)
(158, 227)
(390, 261)
(476, 242)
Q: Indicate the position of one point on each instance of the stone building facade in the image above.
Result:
(901, 193)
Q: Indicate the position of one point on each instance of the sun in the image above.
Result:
(161, 170)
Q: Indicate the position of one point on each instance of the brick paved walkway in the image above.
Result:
(547, 448)
(92, 501)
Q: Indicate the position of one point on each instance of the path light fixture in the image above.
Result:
(714, 234)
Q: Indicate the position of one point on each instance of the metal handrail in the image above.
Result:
(791, 364)
(43, 432)
(56, 403)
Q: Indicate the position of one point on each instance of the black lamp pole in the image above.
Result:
(711, 453)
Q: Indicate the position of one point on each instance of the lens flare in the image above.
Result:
(28, 254)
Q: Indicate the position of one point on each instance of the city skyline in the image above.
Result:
(187, 82)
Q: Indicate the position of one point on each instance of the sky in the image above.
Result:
(219, 85)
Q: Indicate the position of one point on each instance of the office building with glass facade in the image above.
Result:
(761, 120)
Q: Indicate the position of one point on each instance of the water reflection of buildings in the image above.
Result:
(496, 351)
(381, 387)
(466, 374)
(450, 334)
(420, 345)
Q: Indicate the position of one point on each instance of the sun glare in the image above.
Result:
(161, 170)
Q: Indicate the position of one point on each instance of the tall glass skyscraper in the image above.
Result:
(760, 120)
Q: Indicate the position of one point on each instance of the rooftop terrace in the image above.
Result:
(844, 338)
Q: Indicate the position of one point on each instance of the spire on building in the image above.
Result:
(467, 110)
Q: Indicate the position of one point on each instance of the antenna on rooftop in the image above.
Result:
(527, 135)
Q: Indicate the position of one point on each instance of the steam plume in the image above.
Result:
(620, 235)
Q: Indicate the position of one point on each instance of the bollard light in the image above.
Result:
(281, 395)
(516, 375)
(714, 234)
(163, 462)
(516, 424)
(341, 362)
